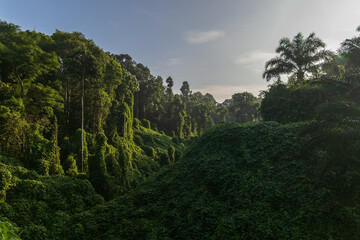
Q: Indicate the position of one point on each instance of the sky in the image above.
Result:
(218, 46)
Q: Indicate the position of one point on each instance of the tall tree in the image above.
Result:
(83, 63)
(185, 89)
(170, 84)
(297, 58)
(144, 78)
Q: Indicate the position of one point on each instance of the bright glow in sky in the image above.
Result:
(219, 47)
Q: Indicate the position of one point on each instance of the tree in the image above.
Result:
(220, 114)
(170, 84)
(201, 115)
(244, 107)
(24, 55)
(283, 103)
(351, 50)
(185, 89)
(83, 62)
(297, 58)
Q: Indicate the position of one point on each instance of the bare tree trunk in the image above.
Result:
(69, 104)
(82, 122)
(67, 99)
(56, 139)
(124, 130)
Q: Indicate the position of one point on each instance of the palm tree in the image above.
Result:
(297, 58)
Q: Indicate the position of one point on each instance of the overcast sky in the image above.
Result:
(218, 46)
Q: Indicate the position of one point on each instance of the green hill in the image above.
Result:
(236, 182)
(34, 206)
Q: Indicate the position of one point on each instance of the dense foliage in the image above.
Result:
(93, 146)
(38, 204)
(59, 94)
(235, 182)
(283, 103)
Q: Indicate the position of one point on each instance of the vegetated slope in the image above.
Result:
(136, 158)
(158, 146)
(33, 206)
(236, 182)
(37, 204)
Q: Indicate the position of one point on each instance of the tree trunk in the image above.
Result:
(82, 121)
(56, 139)
(68, 99)
(124, 130)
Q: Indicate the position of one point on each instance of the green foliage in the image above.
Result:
(13, 129)
(178, 155)
(335, 134)
(5, 181)
(235, 182)
(185, 89)
(43, 155)
(164, 159)
(11, 161)
(136, 124)
(284, 104)
(254, 181)
(171, 152)
(38, 205)
(24, 56)
(7, 230)
(97, 166)
(70, 166)
(42, 102)
(350, 50)
(156, 145)
(242, 107)
(75, 148)
(146, 123)
(149, 151)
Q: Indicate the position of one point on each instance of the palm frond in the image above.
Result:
(276, 66)
(299, 56)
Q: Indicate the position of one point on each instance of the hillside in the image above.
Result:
(37, 204)
(236, 182)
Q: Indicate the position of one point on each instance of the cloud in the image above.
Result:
(196, 37)
(174, 61)
(222, 92)
(254, 60)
